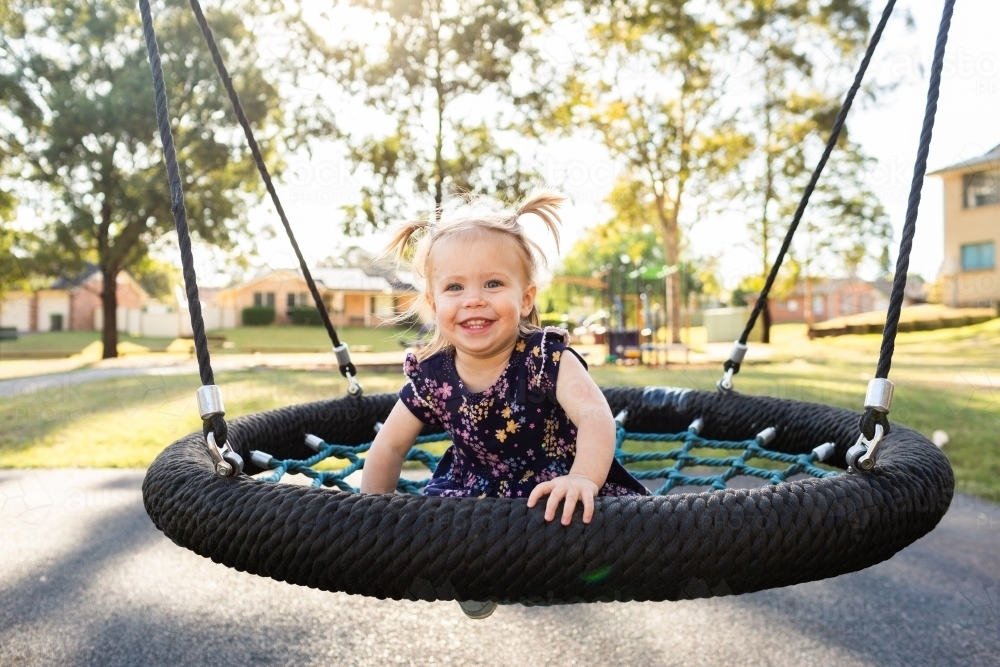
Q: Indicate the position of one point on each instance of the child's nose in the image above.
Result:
(474, 296)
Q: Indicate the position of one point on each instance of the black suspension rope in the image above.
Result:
(216, 424)
(262, 168)
(872, 416)
(811, 186)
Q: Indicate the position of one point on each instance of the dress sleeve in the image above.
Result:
(420, 394)
(545, 352)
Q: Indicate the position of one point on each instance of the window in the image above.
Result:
(818, 304)
(290, 301)
(981, 189)
(258, 299)
(793, 305)
(269, 300)
(977, 256)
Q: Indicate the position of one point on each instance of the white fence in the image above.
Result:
(162, 323)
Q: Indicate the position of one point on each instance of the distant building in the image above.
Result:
(846, 296)
(352, 296)
(71, 304)
(969, 274)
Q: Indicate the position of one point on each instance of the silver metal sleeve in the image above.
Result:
(825, 451)
(261, 459)
(313, 442)
(879, 395)
(343, 354)
(766, 436)
(738, 352)
(210, 401)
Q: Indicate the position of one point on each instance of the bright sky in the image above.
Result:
(966, 126)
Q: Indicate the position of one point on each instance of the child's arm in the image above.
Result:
(587, 408)
(392, 442)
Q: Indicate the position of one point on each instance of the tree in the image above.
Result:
(78, 111)
(796, 49)
(651, 91)
(440, 81)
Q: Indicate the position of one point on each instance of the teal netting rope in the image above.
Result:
(683, 457)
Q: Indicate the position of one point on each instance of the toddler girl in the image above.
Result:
(525, 417)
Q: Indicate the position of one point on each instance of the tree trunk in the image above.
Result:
(109, 301)
(808, 305)
(765, 317)
(671, 247)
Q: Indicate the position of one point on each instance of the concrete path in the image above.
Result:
(85, 579)
(171, 364)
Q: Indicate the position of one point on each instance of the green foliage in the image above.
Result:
(552, 320)
(158, 278)
(438, 58)
(797, 49)
(306, 315)
(253, 316)
(76, 95)
(650, 88)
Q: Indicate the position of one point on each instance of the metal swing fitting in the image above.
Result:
(314, 442)
(210, 401)
(878, 398)
(261, 459)
(767, 436)
(343, 354)
(696, 426)
(736, 355)
(621, 417)
(227, 462)
(825, 451)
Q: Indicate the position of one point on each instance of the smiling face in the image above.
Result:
(479, 291)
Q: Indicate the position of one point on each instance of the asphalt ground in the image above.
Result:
(85, 579)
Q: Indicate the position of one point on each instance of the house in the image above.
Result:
(969, 274)
(71, 304)
(844, 296)
(352, 296)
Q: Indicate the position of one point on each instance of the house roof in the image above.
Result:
(346, 279)
(69, 282)
(89, 272)
(991, 158)
(916, 289)
(343, 279)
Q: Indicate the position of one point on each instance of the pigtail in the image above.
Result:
(402, 234)
(544, 203)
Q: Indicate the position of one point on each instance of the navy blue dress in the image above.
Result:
(508, 438)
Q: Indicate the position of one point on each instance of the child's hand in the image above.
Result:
(572, 487)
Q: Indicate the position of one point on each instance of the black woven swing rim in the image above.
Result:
(637, 548)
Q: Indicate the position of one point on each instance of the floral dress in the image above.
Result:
(508, 438)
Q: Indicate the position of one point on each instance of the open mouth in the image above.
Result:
(476, 324)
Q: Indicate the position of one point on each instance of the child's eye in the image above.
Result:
(454, 287)
(493, 283)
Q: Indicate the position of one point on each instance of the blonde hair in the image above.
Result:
(475, 217)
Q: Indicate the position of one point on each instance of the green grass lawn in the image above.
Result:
(311, 339)
(243, 340)
(73, 342)
(942, 382)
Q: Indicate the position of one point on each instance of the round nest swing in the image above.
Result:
(661, 547)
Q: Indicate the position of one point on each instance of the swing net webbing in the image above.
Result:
(691, 466)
